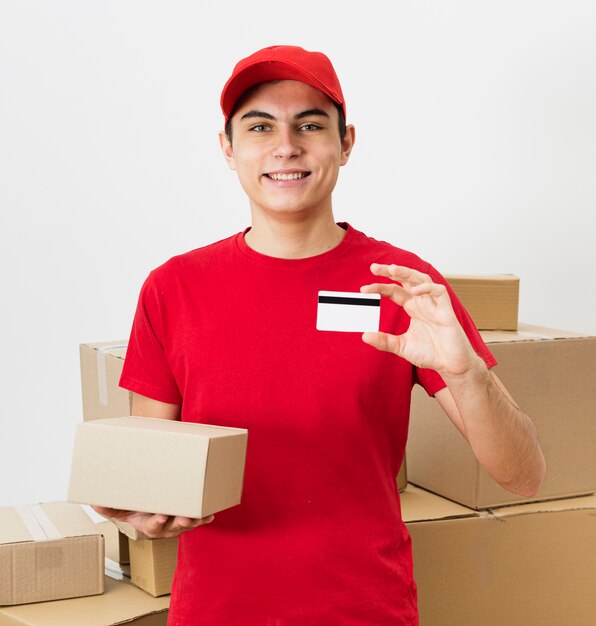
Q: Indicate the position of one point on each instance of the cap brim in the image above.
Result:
(263, 71)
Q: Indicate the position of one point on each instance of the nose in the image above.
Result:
(287, 143)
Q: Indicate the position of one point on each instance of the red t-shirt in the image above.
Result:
(318, 539)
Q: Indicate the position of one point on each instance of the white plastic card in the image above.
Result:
(347, 311)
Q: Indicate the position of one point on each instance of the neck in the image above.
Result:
(294, 239)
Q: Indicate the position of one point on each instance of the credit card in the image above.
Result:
(347, 311)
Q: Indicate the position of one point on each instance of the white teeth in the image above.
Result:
(292, 176)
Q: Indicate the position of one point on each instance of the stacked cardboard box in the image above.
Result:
(101, 366)
(152, 561)
(504, 558)
(520, 565)
(492, 301)
(550, 374)
(48, 551)
(52, 571)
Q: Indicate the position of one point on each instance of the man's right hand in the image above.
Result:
(154, 526)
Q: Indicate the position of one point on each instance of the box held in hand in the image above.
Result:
(158, 466)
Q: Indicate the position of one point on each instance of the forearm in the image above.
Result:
(502, 437)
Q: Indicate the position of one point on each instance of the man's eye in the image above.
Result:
(310, 127)
(258, 128)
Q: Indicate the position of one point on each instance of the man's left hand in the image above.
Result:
(435, 338)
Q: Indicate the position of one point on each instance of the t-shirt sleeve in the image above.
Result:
(147, 370)
(430, 379)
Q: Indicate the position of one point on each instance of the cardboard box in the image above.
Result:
(101, 366)
(524, 565)
(152, 561)
(492, 301)
(158, 466)
(48, 551)
(152, 564)
(550, 374)
(122, 603)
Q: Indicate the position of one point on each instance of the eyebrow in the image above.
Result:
(298, 116)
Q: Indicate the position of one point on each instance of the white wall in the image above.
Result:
(476, 148)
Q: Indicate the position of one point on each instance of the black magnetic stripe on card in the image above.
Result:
(344, 300)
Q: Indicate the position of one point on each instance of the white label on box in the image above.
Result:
(347, 311)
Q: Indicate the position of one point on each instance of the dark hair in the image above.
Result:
(228, 128)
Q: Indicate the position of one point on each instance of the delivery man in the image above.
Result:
(227, 334)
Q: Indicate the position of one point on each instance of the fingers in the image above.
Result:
(104, 510)
(383, 341)
(181, 524)
(390, 290)
(119, 514)
(401, 295)
(164, 526)
(152, 525)
(401, 274)
(412, 283)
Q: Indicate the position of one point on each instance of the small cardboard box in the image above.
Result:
(518, 565)
(492, 301)
(48, 551)
(152, 561)
(101, 366)
(550, 374)
(152, 564)
(158, 466)
(121, 604)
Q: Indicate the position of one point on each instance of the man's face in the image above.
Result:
(286, 149)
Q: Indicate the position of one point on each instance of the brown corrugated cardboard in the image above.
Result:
(492, 301)
(152, 564)
(158, 466)
(48, 551)
(101, 366)
(550, 373)
(122, 603)
(521, 565)
(152, 561)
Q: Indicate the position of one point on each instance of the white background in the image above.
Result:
(476, 148)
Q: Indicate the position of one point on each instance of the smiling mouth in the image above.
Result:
(288, 176)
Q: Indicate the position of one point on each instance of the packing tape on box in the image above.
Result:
(39, 525)
(102, 378)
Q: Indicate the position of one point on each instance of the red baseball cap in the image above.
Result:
(281, 63)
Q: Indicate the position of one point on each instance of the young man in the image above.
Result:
(226, 334)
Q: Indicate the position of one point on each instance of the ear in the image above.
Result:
(227, 149)
(347, 144)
